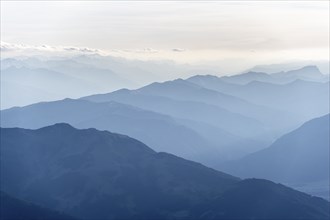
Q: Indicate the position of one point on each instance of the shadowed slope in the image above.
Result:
(100, 175)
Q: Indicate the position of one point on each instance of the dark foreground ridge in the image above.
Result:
(16, 209)
(91, 174)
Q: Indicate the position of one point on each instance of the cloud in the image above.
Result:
(82, 49)
(178, 50)
(144, 50)
(11, 47)
(24, 49)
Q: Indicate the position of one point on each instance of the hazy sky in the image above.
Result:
(182, 31)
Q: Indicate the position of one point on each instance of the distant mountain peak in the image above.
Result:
(253, 73)
(180, 82)
(59, 126)
(310, 67)
(203, 77)
(184, 82)
(177, 82)
(69, 100)
(121, 91)
(311, 70)
(247, 74)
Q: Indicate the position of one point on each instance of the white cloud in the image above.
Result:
(178, 50)
(25, 50)
(82, 49)
(144, 50)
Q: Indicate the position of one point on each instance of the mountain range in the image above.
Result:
(308, 73)
(272, 126)
(301, 156)
(91, 174)
(79, 76)
(205, 118)
(93, 74)
(225, 129)
(304, 99)
(160, 131)
(23, 84)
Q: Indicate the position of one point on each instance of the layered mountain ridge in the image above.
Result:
(301, 156)
(95, 174)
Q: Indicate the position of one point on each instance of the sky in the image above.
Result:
(186, 32)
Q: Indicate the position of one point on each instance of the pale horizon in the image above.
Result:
(211, 33)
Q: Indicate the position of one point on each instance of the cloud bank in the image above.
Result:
(210, 30)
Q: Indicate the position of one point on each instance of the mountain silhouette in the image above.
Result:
(15, 209)
(226, 130)
(182, 90)
(302, 100)
(95, 174)
(301, 156)
(161, 132)
(273, 201)
(308, 73)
